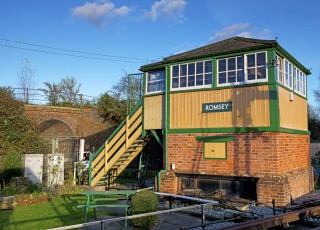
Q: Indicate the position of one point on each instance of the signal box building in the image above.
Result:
(233, 119)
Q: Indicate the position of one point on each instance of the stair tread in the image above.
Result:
(127, 155)
(135, 146)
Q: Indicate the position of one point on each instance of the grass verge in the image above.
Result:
(60, 211)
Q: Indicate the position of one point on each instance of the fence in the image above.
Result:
(44, 97)
(315, 150)
(179, 221)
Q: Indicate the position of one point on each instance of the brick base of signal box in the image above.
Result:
(279, 161)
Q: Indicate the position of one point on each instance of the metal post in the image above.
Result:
(102, 225)
(203, 217)
(81, 150)
(273, 206)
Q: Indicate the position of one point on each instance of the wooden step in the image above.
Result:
(126, 155)
(134, 146)
(130, 150)
(119, 164)
(139, 141)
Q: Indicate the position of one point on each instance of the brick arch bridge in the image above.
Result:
(64, 124)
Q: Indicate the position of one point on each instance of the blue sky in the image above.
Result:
(143, 31)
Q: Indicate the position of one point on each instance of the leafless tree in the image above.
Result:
(26, 79)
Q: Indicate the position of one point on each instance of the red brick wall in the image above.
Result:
(281, 159)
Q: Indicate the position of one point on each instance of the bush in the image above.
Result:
(18, 135)
(20, 185)
(143, 202)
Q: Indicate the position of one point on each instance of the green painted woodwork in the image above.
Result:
(274, 107)
(237, 130)
(166, 125)
(214, 73)
(215, 139)
(272, 68)
(154, 133)
(221, 87)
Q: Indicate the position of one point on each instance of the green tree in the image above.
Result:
(114, 105)
(17, 135)
(64, 93)
(111, 108)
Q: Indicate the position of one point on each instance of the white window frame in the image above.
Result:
(159, 91)
(298, 78)
(280, 71)
(226, 71)
(246, 81)
(195, 76)
(288, 73)
(300, 86)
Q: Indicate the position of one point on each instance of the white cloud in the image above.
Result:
(96, 12)
(168, 9)
(247, 30)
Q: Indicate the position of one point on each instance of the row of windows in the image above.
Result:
(249, 68)
(287, 74)
(242, 69)
(195, 74)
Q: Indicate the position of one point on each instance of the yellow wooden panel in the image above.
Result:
(293, 114)
(215, 150)
(154, 112)
(250, 108)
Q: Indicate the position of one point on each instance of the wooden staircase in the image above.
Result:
(124, 144)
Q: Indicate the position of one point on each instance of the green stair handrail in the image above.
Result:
(93, 156)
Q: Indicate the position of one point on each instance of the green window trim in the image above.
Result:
(215, 138)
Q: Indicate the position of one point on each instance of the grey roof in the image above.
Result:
(230, 45)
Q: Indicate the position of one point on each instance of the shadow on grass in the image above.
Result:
(60, 211)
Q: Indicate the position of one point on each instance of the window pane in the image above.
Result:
(161, 86)
(183, 82)
(240, 62)
(251, 60)
(261, 73)
(261, 59)
(286, 64)
(208, 66)
(290, 69)
(251, 74)
(199, 79)
(183, 70)
(199, 67)
(231, 64)
(175, 82)
(208, 79)
(187, 184)
(287, 79)
(240, 76)
(191, 68)
(222, 78)
(222, 65)
(232, 76)
(149, 88)
(161, 75)
(175, 71)
(151, 77)
(191, 81)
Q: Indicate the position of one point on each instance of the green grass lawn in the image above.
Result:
(59, 212)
